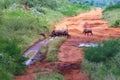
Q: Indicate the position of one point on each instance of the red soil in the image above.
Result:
(70, 52)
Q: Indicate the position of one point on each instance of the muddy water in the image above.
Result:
(35, 51)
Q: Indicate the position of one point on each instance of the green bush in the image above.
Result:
(5, 75)
(73, 9)
(6, 3)
(1, 15)
(101, 71)
(103, 52)
(43, 3)
(112, 14)
(11, 60)
(111, 7)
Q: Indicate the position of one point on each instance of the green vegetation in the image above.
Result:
(112, 15)
(11, 60)
(73, 10)
(102, 62)
(103, 52)
(50, 76)
(53, 49)
(24, 25)
(112, 7)
(21, 21)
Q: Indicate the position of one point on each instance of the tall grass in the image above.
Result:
(11, 60)
(112, 14)
(26, 26)
(101, 71)
(103, 52)
(112, 7)
(98, 68)
(53, 51)
(73, 9)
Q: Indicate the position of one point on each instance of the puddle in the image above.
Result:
(33, 52)
(87, 44)
(31, 55)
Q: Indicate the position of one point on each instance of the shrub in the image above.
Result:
(101, 71)
(1, 14)
(6, 3)
(5, 75)
(73, 9)
(108, 13)
(11, 61)
(102, 52)
(111, 7)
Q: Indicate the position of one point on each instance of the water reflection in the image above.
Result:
(87, 44)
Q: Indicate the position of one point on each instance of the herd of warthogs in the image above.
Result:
(59, 33)
(65, 33)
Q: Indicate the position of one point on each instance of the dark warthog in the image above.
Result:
(59, 33)
(87, 32)
(43, 34)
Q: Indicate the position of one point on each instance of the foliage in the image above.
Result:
(5, 75)
(52, 4)
(112, 14)
(24, 26)
(103, 52)
(97, 3)
(49, 76)
(11, 60)
(1, 15)
(102, 62)
(73, 9)
(112, 7)
(102, 71)
(5, 3)
(43, 49)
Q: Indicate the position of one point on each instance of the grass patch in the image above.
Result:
(103, 62)
(53, 50)
(101, 71)
(73, 9)
(112, 15)
(50, 76)
(102, 52)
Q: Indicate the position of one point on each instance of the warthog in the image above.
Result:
(87, 32)
(59, 33)
(43, 34)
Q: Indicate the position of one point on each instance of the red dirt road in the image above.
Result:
(69, 50)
